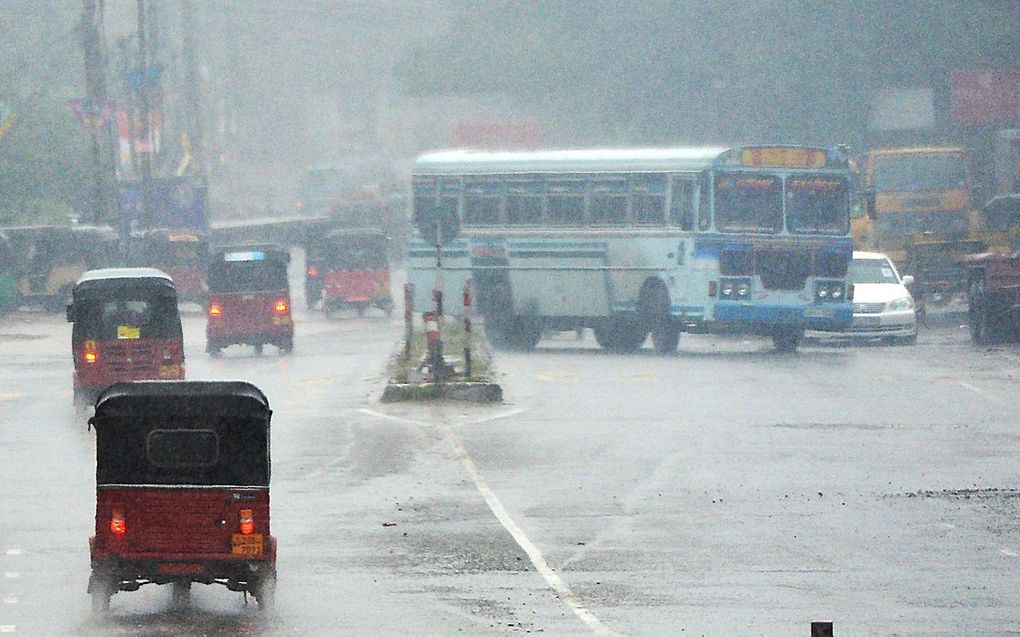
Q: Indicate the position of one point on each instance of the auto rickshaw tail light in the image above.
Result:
(281, 307)
(118, 526)
(247, 522)
(313, 271)
(215, 311)
(90, 355)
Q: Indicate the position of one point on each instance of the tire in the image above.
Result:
(180, 595)
(984, 329)
(265, 594)
(101, 590)
(653, 312)
(666, 337)
(287, 347)
(213, 350)
(259, 348)
(786, 340)
(516, 334)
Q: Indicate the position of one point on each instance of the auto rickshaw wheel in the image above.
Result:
(265, 593)
(101, 589)
(180, 594)
(258, 349)
(287, 346)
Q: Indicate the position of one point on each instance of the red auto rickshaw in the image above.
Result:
(183, 254)
(182, 490)
(249, 299)
(356, 271)
(126, 327)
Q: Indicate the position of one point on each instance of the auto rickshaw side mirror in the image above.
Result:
(69, 311)
(908, 280)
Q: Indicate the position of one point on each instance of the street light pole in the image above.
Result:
(146, 129)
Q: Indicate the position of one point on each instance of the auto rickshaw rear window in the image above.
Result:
(238, 277)
(133, 317)
(182, 448)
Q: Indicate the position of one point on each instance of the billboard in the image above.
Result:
(985, 96)
(177, 203)
(903, 109)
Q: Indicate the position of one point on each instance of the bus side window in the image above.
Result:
(681, 211)
(648, 199)
(524, 201)
(704, 209)
(483, 202)
(566, 202)
(608, 202)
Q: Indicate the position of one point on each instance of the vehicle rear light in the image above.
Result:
(117, 524)
(90, 355)
(313, 271)
(215, 311)
(281, 306)
(247, 522)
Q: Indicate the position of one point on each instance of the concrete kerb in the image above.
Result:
(468, 391)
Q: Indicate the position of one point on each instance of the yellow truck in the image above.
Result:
(919, 210)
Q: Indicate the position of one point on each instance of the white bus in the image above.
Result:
(753, 239)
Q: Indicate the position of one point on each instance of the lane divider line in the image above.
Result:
(978, 390)
(512, 412)
(552, 579)
(8, 628)
(13, 551)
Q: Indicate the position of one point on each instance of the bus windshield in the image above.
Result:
(919, 172)
(746, 202)
(817, 205)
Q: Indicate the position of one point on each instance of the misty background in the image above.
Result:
(285, 84)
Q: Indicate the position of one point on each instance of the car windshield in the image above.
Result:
(872, 271)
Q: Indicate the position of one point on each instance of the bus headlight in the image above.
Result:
(735, 289)
(830, 291)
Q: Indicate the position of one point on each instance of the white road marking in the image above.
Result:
(11, 395)
(12, 575)
(1008, 553)
(552, 579)
(512, 412)
(978, 390)
(13, 551)
(10, 600)
(8, 628)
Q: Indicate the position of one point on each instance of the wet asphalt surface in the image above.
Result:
(724, 490)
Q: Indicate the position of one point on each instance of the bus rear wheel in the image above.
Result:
(516, 333)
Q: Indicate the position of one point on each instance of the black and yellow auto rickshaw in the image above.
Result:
(126, 327)
(182, 490)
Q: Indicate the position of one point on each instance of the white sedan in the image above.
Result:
(883, 306)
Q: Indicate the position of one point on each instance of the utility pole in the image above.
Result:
(146, 114)
(196, 141)
(97, 115)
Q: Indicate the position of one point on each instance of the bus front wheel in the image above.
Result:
(787, 339)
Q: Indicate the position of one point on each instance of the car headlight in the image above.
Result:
(905, 303)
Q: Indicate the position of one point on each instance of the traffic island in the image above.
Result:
(412, 380)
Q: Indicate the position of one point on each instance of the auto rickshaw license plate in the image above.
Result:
(128, 332)
(246, 544)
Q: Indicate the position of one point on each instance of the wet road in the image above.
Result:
(726, 489)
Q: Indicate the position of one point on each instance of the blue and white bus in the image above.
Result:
(752, 239)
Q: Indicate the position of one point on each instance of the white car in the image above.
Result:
(883, 306)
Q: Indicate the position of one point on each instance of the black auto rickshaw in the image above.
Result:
(126, 327)
(249, 299)
(182, 490)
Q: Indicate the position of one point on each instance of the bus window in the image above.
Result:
(566, 202)
(648, 199)
(704, 209)
(608, 202)
(524, 202)
(482, 202)
(746, 202)
(816, 205)
(681, 208)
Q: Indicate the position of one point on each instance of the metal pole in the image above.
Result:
(467, 328)
(436, 363)
(196, 138)
(95, 106)
(408, 319)
(146, 132)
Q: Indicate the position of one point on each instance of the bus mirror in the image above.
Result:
(438, 226)
(70, 312)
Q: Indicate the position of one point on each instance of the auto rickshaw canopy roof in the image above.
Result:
(104, 280)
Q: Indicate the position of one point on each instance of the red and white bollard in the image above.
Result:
(408, 319)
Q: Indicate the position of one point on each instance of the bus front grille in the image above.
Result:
(787, 270)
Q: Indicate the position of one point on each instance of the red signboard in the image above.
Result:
(985, 96)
